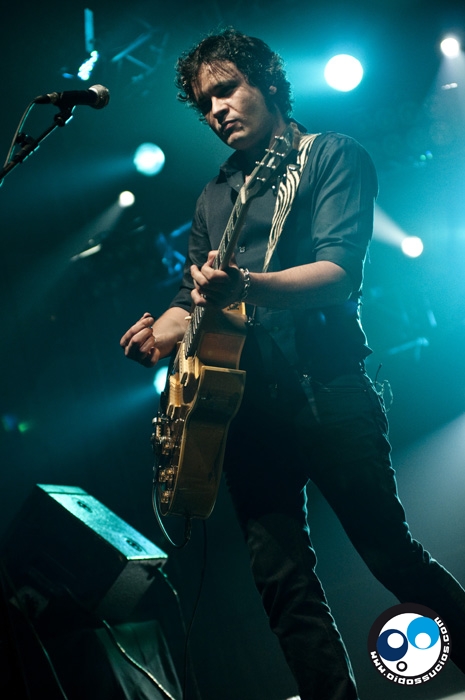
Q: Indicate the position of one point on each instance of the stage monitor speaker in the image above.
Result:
(63, 539)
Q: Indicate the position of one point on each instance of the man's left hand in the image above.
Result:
(213, 287)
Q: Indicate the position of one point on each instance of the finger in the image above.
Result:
(213, 277)
(198, 298)
(146, 321)
(211, 297)
(140, 343)
(197, 275)
(212, 255)
(232, 262)
(151, 358)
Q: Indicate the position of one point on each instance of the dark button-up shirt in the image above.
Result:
(331, 219)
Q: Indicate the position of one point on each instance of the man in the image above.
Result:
(309, 410)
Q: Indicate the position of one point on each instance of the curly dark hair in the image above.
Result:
(261, 66)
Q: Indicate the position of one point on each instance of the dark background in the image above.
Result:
(75, 412)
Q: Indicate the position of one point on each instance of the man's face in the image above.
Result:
(235, 110)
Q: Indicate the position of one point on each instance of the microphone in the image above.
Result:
(96, 96)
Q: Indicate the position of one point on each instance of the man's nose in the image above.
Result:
(219, 108)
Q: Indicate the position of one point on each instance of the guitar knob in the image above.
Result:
(160, 420)
(166, 444)
(166, 496)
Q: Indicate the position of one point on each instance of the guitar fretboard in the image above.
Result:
(267, 169)
(225, 252)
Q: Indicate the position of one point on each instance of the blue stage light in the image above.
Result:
(126, 199)
(343, 72)
(149, 159)
(450, 47)
(87, 67)
(159, 381)
(412, 246)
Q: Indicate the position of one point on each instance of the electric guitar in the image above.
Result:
(205, 385)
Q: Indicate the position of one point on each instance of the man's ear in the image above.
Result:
(272, 90)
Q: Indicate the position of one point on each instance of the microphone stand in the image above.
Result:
(29, 144)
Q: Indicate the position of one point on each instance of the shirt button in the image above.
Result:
(242, 249)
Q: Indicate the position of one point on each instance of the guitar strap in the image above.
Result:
(287, 191)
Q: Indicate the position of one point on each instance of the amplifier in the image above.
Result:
(63, 539)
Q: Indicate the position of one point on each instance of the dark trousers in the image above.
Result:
(336, 435)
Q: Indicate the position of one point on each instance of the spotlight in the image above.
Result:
(450, 47)
(11, 423)
(87, 253)
(87, 67)
(343, 72)
(149, 159)
(159, 380)
(126, 199)
(412, 246)
(93, 56)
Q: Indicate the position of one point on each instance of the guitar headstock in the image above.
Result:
(272, 164)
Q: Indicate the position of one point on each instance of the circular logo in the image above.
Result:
(409, 644)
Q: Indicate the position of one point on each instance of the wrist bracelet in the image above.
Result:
(246, 280)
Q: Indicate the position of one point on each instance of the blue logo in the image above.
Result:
(409, 644)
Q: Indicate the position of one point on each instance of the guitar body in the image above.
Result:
(196, 409)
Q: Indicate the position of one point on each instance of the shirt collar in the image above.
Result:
(231, 169)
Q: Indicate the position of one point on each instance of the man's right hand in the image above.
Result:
(149, 340)
(139, 342)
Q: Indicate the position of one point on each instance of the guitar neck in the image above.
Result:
(222, 260)
(231, 233)
(268, 169)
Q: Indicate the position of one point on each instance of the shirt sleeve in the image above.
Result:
(344, 185)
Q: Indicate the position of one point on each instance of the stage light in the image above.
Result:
(450, 47)
(343, 72)
(85, 70)
(87, 252)
(87, 67)
(388, 231)
(126, 199)
(425, 157)
(159, 380)
(11, 423)
(25, 426)
(412, 246)
(149, 159)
